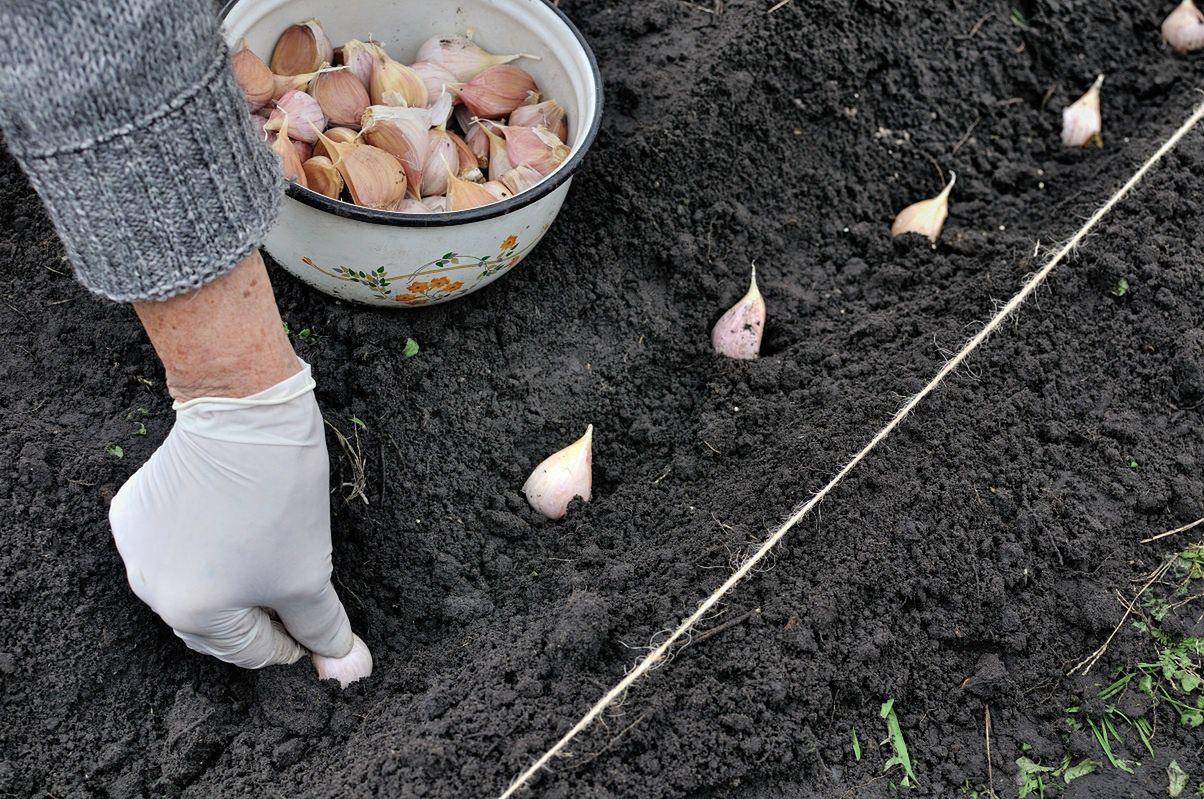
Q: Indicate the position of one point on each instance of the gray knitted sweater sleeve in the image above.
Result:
(126, 118)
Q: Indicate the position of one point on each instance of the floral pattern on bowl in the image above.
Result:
(436, 289)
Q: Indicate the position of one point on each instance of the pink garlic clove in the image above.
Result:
(1183, 29)
(562, 477)
(738, 332)
(1081, 121)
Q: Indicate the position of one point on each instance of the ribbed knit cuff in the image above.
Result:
(167, 203)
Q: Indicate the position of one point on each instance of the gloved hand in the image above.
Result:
(230, 517)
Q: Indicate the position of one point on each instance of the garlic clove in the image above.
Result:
(498, 189)
(341, 135)
(474, 136)
(469, 168)
(254, 77)
(305, 151)
(538, 148)
(926, 217)
(374, 178)
(440, 110)
(441, 158)
(303, 47)
(434, 76)
(282, 145)
(303, 112)
(402, 132)
(355, 665)
(1081, 121)
(393, 83)
(436, 204)
(340, 94)
(1183, 29)
(461, 56)
(287, 83)
(411, 206)
(499, 158)
(548, 114)
(464, 194)
(322, 176)
(521, 178)
(562, 477)
(738, 332)
(496, 92)
(358, 58)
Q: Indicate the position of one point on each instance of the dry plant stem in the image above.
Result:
(1087, 663)
(224, 339)
(986, 715)
(355, 456)
(1176, 531)
(658, 654)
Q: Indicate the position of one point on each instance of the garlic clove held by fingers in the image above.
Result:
(738, 332)
(926, 217)
(355, 665)
(562, 477)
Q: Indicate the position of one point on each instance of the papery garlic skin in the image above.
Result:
(521, 178)
(436, 204)
(282, 145)
(562, 477)
(441, 159)
(287, 83)
(548, 114)
(537, 148)
(469, 168)
(341, 135)
(1183, 29)
(303, 47)
(355, 665)
(322, 176)
(358, 58)
(404, 133)
(464, 194)
(738, 332)
(498, 189)
(341, 95)
(411, 206)
(461, 56)
(926, 217)
(436, 78)
(373, 177)
(1081, 121)
(499, 157)
(393, 83)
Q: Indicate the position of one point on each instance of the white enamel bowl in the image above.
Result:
(394, 260)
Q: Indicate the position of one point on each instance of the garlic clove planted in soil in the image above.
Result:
(461, 56)
(303, 47)
(322, 176)
(497, 91)
(374, 178)
(548, 114)
(1081, 121)
(253, 76)
(1183, 29)
(562, 477)
(926, 217)
(738, 332)
(341, 95)
(304, 115)
(355, 665)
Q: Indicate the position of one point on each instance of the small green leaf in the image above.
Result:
(358, 422)
(139, 429)
(305, 333)
(1176, 779)
(1121, 288)
(410, 349)
(448, 256)
(285, 327)
(1132, 464)
(1081, 770)
(856, 745)
(116, 451)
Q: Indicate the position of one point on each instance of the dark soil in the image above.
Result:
(986, 540)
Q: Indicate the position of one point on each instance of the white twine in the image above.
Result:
(654, 657)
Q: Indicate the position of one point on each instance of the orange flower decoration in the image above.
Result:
(455, 285)
(418, 285)
(509, 242)
(405, 298)
(439, 281)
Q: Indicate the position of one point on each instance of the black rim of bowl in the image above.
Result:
(507, 206)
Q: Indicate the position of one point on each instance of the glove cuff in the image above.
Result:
(284, 415)
(287, 389)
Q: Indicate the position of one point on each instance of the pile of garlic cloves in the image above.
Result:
(457, 129)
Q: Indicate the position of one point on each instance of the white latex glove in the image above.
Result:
(230, 517)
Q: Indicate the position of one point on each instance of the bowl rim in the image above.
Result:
(521, 200)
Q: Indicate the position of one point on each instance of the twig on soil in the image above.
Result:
(355, 455)
(1088, 662)
(965, 136)
(777, 5)
(727, 625)
(1176, 531)
(986, 712)
(657, 656)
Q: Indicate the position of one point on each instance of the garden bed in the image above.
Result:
(968, 563)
